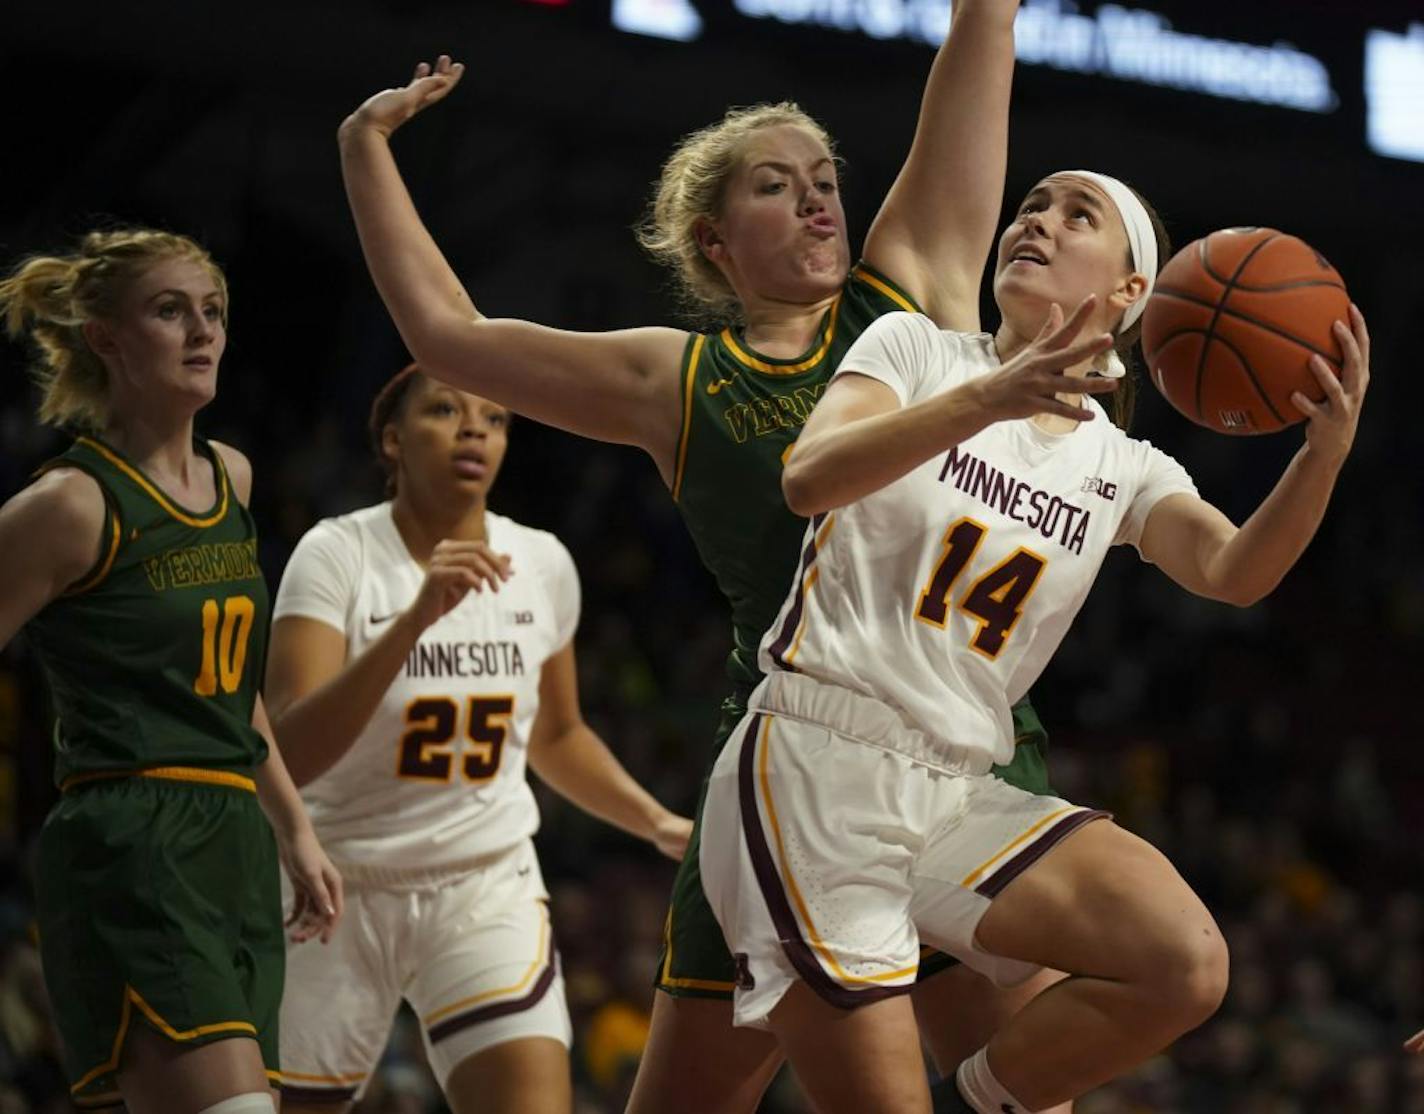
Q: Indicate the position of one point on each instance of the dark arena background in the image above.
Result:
(1273, 753)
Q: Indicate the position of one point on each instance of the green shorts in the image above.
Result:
(695, 962)
(158, 901)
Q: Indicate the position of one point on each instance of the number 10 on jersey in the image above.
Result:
(225, 634)
(427, 751)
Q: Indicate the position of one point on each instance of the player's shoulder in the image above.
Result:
(897, 320)
(953, 354)
(1147, 453)
(347, 531)
(1134, 451)
(1106, 429)
(237, 467)
(899, 331)
(520, 540)
(502, 528)
(57, 517)
(976, 347)
(878, 289)
(62, 498)
(922, 327)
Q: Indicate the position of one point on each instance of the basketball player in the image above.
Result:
(422, 651)
(132, 564)
(964, 489)
(748, 214)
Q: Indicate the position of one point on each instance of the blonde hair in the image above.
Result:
(51, 297)
(691, 188)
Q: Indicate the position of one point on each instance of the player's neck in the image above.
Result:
(423, 527)
(1008, 343)
(784, 330)
(160, 444)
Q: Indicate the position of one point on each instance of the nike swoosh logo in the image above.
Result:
(716, 388)
(377, 620)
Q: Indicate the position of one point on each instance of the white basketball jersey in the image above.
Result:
(438, 775)
(945, 593)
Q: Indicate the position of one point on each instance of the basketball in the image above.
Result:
(1232, 322)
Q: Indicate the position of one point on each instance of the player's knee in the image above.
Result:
(1191, 973)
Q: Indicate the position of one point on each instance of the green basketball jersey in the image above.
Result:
(741, 413)
(155, 656)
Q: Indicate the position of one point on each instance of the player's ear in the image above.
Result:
(709, 239)
(390, 443)
(1130, 289)
(99, 337)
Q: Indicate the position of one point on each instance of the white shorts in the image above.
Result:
(831, 859)
(471, 951)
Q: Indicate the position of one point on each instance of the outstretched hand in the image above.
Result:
(390, 108)
(1032, 380)
(1332, 421)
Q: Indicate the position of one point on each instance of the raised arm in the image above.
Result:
(617, 386)
(937, 224)
(1198, 547)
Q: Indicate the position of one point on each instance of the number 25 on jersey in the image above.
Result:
(427, 750)
(996, 600)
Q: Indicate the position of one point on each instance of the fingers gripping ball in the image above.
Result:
(1233, 322)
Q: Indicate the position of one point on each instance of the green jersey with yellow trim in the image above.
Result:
(741, 413)
(155, 656)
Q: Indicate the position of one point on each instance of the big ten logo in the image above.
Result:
(1235, 419)
(1098, 486)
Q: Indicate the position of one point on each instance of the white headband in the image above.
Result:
(1141, 238)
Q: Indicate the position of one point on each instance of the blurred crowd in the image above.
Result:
(1272, 753)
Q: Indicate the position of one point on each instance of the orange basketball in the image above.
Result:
(1233, 321)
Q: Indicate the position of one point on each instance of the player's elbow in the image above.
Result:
(1245, 588)
(300, 778)
(1250, 595)
(802, 487)
(444, 347)
(544, 758)
(799, 494)
(304, 763)
(1239, 598)
(286, 736)
(1241, 593)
